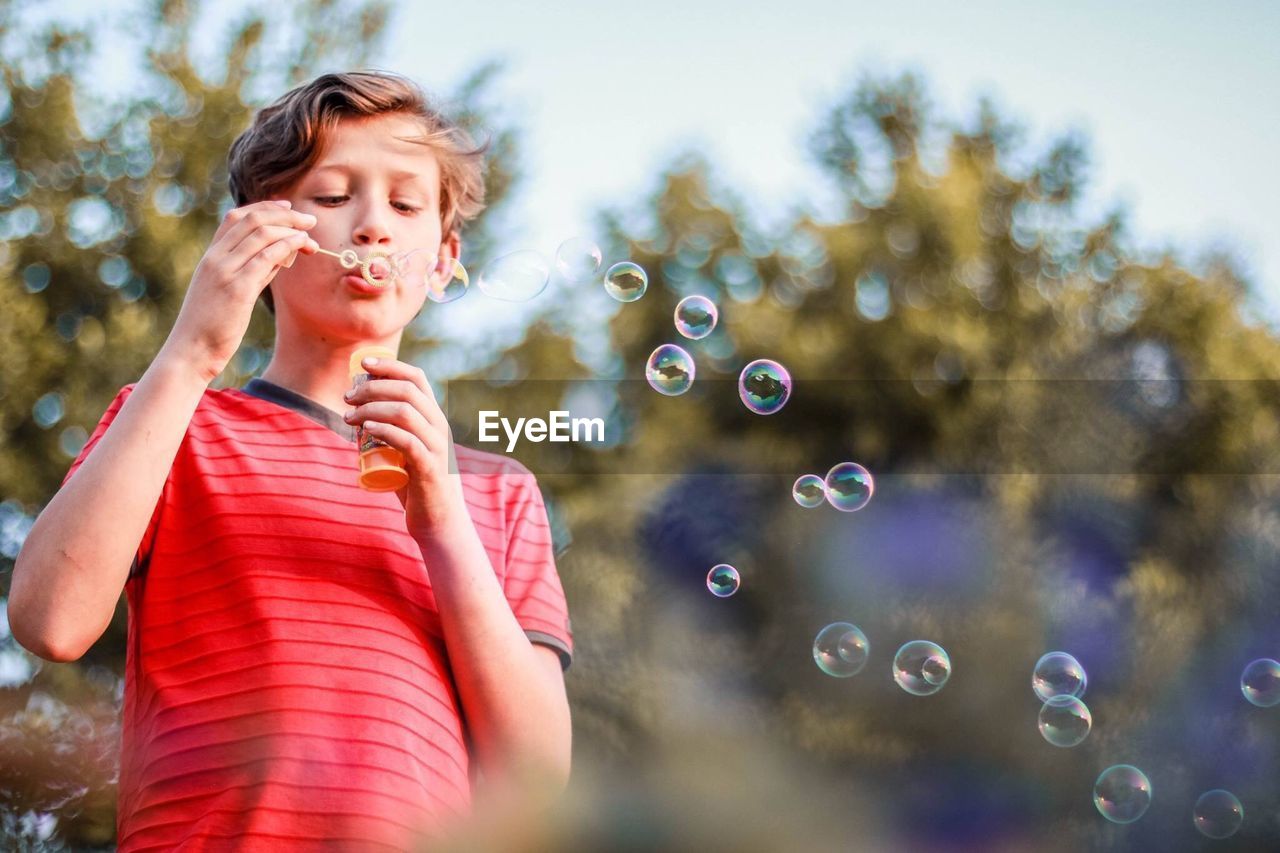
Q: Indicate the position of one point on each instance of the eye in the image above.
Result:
(330, 199)
(407, 208)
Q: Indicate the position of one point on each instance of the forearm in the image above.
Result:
(518, 717)
(76, 559)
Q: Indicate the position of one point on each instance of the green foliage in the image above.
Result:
(998, 364)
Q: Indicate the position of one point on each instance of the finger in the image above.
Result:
(390, 368)
(242, 220)
(252, 241)
(263, 266)
(252, 218)
(400, 414)
(266, 237)
(415, 453)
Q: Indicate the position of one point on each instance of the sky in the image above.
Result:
(1177, 99)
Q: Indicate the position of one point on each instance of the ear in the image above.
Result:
(451, 245)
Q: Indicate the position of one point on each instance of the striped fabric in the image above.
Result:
(287, 682)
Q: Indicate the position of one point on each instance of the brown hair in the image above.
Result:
(287, 138)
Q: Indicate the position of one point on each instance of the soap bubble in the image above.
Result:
(1058, 674)
(625, 281)
(444, 278)
(1218, 814)
(849, 486)
(841, 649)
(578, 259)
(1260, 682)
(696, 317)
(921, 668)
(1065, 721)
(670, 370)
(1122, 793)
(764, 386)
(723, 580)
(517, 277)
(809, 490)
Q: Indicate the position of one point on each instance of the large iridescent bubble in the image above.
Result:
(516, 277)
(1058, 674)
(1065, 721)
(841, 649)
(1122, 793)
(1260, 682)
(849, 487)
(764, 386)
(670, 370)
(921, 668)
(578, 259)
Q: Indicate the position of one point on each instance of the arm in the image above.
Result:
(512, 690)
(74, 563)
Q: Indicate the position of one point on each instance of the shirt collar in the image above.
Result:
(308, 408)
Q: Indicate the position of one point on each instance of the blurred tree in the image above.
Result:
(1064, 432)
(1050, 417)
(107, 203)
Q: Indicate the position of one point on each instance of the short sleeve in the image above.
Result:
(148, 539)
(531, 583)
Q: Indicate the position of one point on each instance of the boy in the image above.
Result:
(310, 665)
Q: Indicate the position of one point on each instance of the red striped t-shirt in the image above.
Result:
(287, 683)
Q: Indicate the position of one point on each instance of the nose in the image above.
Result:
(371, 226)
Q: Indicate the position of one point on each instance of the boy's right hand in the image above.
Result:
(249, 248)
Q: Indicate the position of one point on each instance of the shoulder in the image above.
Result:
(484, 463)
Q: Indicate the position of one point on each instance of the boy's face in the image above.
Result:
(370, 191)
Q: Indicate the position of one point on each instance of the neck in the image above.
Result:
(317, 368)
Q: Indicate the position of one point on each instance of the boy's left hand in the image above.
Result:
(397, 406)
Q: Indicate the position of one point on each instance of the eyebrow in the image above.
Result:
(401, 175)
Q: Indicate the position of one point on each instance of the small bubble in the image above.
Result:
(809, 490)
(696, 317)
(1058, 674)
(625, 281)
(1065, 721)
(1218, 814)
(841, 649)
(1260, 682)
(849, 487)
(1122, 793)
(723, 580)
(921, 668)
(670, 370)
(764, 386)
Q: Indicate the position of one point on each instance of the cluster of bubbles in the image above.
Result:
(514, 277)
(848, 487)
(1122, 792)
(920, 667)
(764, 385)
(1059, 681)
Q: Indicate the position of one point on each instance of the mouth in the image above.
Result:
(357, 283)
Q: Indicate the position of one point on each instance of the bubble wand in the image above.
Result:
(380, 269)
